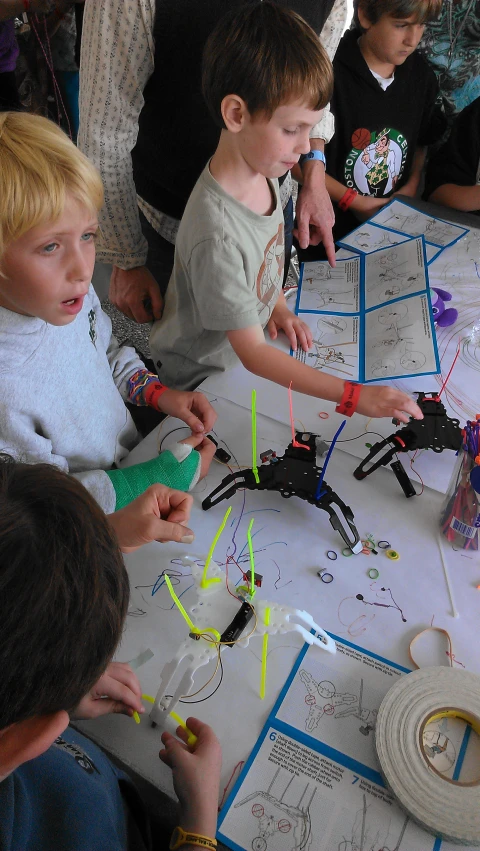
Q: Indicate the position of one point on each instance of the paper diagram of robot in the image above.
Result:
(395, 342)
(366, 837)
(329, 356)
(276, 817)
(323, 699)
(394, 278)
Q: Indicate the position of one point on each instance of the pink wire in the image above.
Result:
(56, 87)
(295, 442)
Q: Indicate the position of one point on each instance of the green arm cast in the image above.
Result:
(132, 481)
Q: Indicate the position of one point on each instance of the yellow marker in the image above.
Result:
(192, 738)
(263, 676)
(206, 582)
(252, 559)
(254, 436)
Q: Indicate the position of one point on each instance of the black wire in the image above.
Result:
(213, 692)
(180, 428)
(348, 439)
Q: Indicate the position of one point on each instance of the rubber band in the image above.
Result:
(431, 629)
(383, 545)
(392, 555)
(347, 552)
(325, 576)
(373, 573)
(324, 416)
(332, 555)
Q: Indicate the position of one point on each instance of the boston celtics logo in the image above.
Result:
(376, 161)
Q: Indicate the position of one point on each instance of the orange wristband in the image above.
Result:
(349, 401)
(153, 392)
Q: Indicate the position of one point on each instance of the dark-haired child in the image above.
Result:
(64, 595)
(384, 107)
(266, 79)
(453, 173)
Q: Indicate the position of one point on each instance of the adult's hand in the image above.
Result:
(136, 293)
(159, 514)
(315, 216)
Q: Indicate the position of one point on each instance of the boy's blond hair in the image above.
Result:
(268, 56)
(39, 165)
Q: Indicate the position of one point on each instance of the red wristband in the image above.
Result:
(153, 392)
(349, 401)
(347, 199)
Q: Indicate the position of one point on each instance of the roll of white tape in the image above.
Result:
(447, 808)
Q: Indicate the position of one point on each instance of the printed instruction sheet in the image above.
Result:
(312, 782)
(370, 237)
(400, 217)
(370, 316)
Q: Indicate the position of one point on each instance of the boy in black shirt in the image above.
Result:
(384, 108)
(453, 173)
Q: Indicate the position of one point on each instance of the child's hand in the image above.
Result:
(282, 319)
(365, 206)
(205, 448)
(196, 775)
(117, 690)
(159, 514)
(193, 408)
(387, 402)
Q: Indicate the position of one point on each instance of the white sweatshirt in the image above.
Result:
(62, 392)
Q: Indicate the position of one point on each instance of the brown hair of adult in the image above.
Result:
(422, 10)
(268, 56)
(63, 591)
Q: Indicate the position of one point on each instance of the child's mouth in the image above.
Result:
(73, 305)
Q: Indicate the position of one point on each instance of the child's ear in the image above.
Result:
(234, 111)
(364, 22)
(28, 739)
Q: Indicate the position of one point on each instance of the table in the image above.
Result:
(291, 540)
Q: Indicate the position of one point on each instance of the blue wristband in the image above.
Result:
(314, 155)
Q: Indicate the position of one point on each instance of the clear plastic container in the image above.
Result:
(460, 511)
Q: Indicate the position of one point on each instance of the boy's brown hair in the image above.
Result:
(423, 10)
(268, 56)
(63, 591)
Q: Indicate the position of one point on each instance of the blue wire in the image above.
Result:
(318, 493)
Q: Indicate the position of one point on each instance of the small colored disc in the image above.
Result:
(373, 573)
(326, 577)
(347, 552)
(331, 554)
(323, 415)
(392, 555)
(383, 545)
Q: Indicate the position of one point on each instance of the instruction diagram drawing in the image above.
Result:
(275, 816)
(365, 836)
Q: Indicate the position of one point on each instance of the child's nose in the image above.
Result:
(303, 144)
(80, 267)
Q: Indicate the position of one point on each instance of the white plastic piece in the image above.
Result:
(215, 607)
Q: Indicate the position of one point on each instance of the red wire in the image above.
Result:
(449, 372)
(417, 473)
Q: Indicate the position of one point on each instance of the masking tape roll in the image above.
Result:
(447, 808)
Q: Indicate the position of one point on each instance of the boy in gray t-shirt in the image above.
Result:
(266, 79)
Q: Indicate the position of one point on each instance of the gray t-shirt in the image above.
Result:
(227, 275)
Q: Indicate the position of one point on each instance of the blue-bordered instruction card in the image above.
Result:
(312, 782)
(371, 316)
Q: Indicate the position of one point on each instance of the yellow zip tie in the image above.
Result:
(179, 605)
(148, 698)
(136, 717)
(263, 676)
(254, 437)
(252, 559)
(192, 738)
(206, 582)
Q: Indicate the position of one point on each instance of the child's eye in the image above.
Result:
(90, 236)
(50, 248)
(289, 132)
